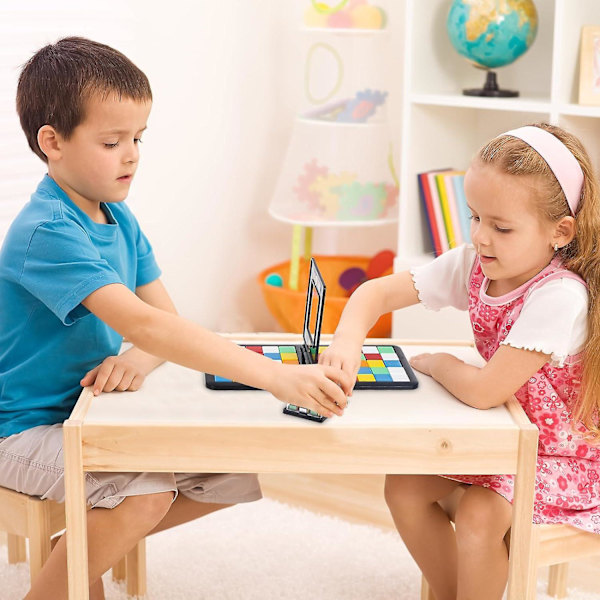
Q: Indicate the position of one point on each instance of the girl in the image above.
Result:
(530, 281)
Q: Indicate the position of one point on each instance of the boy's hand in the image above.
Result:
(345, 356)
(316, 387)
(125, 372)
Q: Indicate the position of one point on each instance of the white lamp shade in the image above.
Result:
(338, 169)
(345, 74)
(337, 174)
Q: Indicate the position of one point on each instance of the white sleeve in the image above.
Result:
(445, 281)
(553, 320)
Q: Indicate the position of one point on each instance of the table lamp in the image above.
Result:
(338, 170)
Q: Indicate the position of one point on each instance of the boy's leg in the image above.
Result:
(204, 493)
(184, 510)
(111, 534)
(425, 528)
(97, 589)
(483, 518)
(32, 462)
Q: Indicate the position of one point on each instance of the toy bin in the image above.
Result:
(287, 306)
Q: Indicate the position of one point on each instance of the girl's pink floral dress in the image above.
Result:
(567, 487)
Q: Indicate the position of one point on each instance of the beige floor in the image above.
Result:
(360, 499)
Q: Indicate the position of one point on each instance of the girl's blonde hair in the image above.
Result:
(582, 256)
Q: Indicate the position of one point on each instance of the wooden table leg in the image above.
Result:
(75, 512)
(522, 573)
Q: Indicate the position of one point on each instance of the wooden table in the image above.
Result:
(175, 424)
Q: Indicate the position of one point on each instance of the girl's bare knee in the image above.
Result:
(482, 516)
(396, 488)
(411, 490)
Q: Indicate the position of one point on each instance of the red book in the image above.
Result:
(430, 212)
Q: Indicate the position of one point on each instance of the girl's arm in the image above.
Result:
(483, 387)
(372, 299)
(170, 337)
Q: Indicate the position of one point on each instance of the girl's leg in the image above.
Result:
(425, 528)
(111, 534)
(97, 590)
(483, 518)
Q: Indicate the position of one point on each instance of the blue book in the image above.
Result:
(463, 210)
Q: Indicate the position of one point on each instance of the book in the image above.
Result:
(464, 214)
(425, 193)
(447, 217)
(452, 203)
(437, 208)
(444, 202)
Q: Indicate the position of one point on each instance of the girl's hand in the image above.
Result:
(125, 372)
(425, 363)
(316, 387)
(345, 356)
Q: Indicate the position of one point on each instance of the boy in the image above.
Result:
(76, 275)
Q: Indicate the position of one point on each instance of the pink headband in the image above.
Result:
(558, 157)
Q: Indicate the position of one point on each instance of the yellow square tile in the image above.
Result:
(366, 377)
(375, 363)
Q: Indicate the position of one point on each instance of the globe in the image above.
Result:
(491, 34)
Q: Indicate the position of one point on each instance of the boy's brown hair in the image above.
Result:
(56, 82)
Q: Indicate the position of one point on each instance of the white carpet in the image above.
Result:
(268, 551)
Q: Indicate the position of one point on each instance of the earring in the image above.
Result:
(555, 247)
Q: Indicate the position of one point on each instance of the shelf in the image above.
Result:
(526, 104)
(344, 32)
(441, 127)
(579, 110)
(340, 124)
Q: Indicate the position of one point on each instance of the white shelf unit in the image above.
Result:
(443, 128)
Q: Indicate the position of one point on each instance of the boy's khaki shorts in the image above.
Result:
(32, 462)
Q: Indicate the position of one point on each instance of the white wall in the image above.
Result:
(225, 77)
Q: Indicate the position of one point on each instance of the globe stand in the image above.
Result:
(490, 88)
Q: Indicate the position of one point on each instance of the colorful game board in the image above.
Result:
(380, 365)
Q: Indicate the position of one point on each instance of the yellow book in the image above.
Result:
(441, 186)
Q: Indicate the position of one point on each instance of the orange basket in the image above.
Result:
(287, 306)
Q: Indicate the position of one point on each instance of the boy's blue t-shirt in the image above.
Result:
(53, 257)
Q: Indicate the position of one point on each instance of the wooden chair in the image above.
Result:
(23, 516)
(556, 546)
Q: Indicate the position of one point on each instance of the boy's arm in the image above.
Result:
(128, 370)
(483, 387)
(155, 294)
(372, 299)
(169, 336)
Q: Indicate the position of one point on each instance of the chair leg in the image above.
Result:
(17, 552)
(119, 571)
(557, 580)
(38, 528)
(426, 593)
(136, 570)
